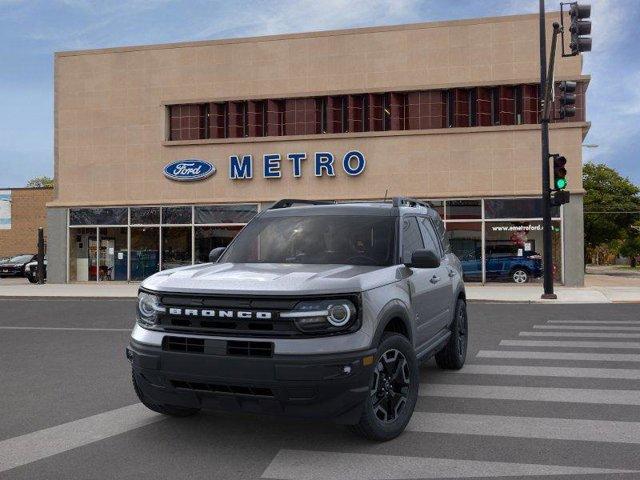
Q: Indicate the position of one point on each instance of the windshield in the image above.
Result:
(21, 259)
(329, 239)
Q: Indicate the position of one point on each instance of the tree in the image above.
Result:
(631, 246)
(40, 182)
(611, 205)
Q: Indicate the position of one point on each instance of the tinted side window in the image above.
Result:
(411, 238)
(430, 241)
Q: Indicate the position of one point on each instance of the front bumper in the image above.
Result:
(11, 272)
(326, 386)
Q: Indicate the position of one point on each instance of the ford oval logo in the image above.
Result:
(188, 170)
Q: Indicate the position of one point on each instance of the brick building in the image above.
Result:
(444, 111)
(24, 210)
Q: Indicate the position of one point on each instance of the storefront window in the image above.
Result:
(225, 213)
(83, 254)
(208, 238)
(464, 209)
(176, 247)
(145, 215)
(515, 208)
(113, 254)
(98, 216)
(145, 252)
(176, 215)
(465, 239)
(514, 251)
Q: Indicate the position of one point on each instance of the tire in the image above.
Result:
(170, 410)
(454, 354)
(32, 279)
(519, 275)
(393, 390)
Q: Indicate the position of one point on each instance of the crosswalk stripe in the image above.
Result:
(568, 344)
(536, 394)
(535, 371)
(588, 327)
(318, 465)
(607, 322)
(589, 357)
(526, 427)
(581, 334)
(34, 446)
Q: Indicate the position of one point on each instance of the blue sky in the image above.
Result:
(31, 30)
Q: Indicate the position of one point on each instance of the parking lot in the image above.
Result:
(548, 392)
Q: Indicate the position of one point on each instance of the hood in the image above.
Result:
(271, 279)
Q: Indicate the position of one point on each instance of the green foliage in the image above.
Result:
(40, 182)
(611, 205)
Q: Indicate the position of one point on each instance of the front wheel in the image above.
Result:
(171, 410)
(32, 278)
(393, 390)
(520, 275)
(453, 355)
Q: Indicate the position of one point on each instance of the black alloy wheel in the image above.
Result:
(393, 391)
(390, 388)
(454, 354)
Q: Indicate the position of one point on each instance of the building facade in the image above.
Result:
(444, 111)
(22, 212)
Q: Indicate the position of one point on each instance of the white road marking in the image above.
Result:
(587, 327)
(314, 465)
(533, 394)
(535, 371)
(581, 334)
(590, 357)
(34, 446)
(606, 322)
(568, 344)
(80, 329)
(526, 427)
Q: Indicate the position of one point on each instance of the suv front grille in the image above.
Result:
(217, 346)
(228, 389)
(183, 344)
(250, 349)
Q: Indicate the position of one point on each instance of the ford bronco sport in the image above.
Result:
(314, 310)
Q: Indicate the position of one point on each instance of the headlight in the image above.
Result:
(323, 316)
(148, 309)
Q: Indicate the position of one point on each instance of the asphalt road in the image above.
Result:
(547, 392)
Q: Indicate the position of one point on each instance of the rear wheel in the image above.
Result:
(32, 278)
(171, 410)
(453, 355)
(393, 390)
(520, 275)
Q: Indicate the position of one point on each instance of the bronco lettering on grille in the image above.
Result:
(240, 314)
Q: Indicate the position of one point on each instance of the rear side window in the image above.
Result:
(411, 238)
(430, 239)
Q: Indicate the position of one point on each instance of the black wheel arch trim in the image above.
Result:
(392, 310)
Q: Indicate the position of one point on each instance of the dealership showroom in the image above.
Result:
(164, 152)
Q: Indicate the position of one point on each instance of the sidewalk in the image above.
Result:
(475, 292)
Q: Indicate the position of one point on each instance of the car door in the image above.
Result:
(441, 279)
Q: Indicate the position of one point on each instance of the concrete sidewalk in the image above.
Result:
(475, 292)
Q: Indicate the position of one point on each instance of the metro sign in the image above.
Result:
(241, 166)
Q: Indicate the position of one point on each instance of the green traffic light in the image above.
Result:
(561, 183)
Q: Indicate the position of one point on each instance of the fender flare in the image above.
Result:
(393, 309)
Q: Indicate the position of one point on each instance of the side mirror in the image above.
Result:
(215, 254)
(424, 259)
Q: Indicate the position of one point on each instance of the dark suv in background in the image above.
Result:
(14, 267)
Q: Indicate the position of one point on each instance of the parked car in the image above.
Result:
(31, 270)
(317, 311)
(502, 264)
(14, 267)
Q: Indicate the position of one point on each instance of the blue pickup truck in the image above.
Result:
(502, 264)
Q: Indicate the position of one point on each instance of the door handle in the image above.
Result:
(452, 273)
(434, 279)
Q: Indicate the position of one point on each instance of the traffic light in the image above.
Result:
(559, 172)
(567, 98)
(559, 198)
(580, 27)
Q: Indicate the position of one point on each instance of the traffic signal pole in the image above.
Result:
(547, 259)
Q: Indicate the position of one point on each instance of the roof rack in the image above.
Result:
(410, 202)
(290, 202)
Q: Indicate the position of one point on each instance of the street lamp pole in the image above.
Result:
(547, 261)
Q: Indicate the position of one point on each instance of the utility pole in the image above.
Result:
(547, 257)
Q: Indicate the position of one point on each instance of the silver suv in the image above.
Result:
(314, 310)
